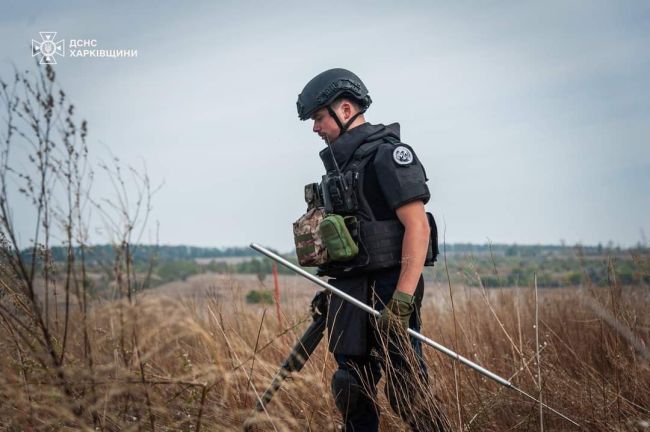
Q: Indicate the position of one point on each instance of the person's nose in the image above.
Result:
(316, 127)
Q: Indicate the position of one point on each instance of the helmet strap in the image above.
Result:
(343, 128)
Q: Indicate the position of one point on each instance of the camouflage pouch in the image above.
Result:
(337, 239)
(310, 249)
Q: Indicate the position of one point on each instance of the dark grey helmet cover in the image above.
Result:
(328, 86)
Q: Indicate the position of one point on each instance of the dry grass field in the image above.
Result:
(194, 355)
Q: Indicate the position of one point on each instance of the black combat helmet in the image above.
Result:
(326, 87)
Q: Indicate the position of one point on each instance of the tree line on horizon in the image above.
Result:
(489, 266)
(144, 253)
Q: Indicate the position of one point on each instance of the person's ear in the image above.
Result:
(347, 110)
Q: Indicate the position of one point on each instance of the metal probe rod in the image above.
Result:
(426, 340)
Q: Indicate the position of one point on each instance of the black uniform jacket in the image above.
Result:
(393, 177)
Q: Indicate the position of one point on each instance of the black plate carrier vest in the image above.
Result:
(380, 241)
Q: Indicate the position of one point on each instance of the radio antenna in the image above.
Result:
(336, 165)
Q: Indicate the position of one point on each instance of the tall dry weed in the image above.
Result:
(201, 364)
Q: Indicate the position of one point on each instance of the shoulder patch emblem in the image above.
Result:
(402, 155)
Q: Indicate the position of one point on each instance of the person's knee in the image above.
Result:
(401, 390)
(346, 391)
(414, 405)
(395, 394)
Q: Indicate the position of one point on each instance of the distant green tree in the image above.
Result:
(175, 270)
(574, 278)
(520, 277)
(260, 296)
(491, 281)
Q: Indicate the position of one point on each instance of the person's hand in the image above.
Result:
(397, 312)
(319, 304)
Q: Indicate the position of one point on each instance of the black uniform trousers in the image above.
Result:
(402, 362)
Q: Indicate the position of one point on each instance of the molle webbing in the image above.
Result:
(382, 240)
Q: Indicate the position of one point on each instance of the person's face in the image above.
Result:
(325, 125)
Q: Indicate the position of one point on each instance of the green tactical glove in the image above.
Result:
(398, 311)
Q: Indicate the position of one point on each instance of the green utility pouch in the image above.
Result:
(337, 239)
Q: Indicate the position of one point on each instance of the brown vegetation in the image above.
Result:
(199, 363)
(156, 360)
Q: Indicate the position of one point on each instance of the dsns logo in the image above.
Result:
(47, 48)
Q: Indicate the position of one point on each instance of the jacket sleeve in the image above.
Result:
(400, 174)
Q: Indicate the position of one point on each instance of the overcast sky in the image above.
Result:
(531, 118)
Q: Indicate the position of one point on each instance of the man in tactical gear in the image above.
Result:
(378, 186)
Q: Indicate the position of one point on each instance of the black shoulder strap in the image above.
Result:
(363, 155)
